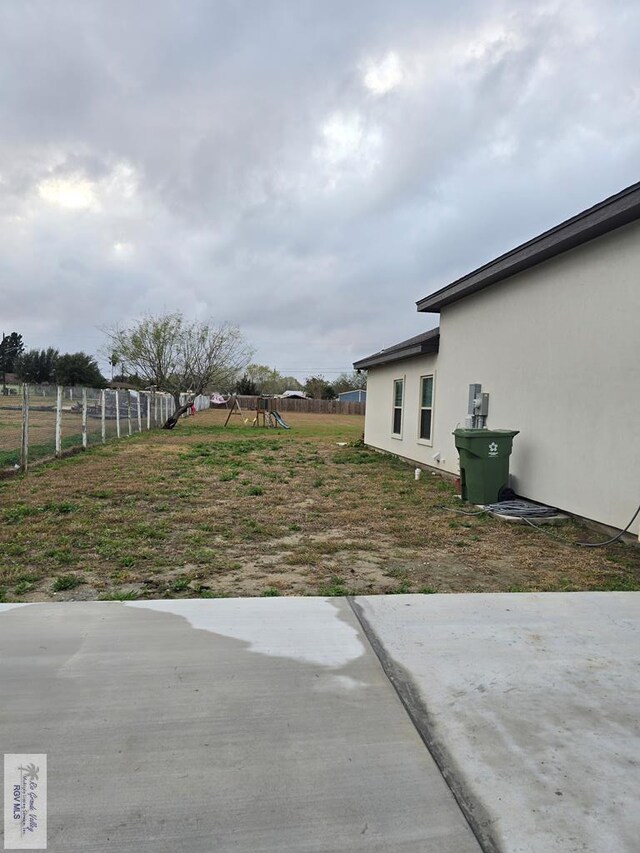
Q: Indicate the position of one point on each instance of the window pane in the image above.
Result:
(397, 396)
(425, 424)
(397, 421)
(427, 391)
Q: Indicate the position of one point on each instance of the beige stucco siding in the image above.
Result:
(558, 349)
(379, 416)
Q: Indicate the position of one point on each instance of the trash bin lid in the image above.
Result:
(485, 433)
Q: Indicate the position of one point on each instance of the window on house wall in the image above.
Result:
(426, 407)
(398, 394)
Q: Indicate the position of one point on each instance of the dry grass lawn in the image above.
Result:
(204, 511)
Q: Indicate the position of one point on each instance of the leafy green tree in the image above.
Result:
(266, 379)
(247, 386)
(270, 381)
(37, 366)
(263, 378)
(318, 388)
(78, 368)
(353, 381)
(290, 383)
(10, 349)
(329, 393)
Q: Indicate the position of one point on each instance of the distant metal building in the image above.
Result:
(355, 396)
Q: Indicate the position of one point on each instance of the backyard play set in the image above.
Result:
(265, 416)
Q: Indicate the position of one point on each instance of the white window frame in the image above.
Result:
(426, 441)
(403, 380)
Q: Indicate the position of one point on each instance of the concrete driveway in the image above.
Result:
(531, 702)
(393, 723)
(227, 725)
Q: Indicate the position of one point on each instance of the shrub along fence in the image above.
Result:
(317, 407)
(42, 422)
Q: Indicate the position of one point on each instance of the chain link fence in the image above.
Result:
(39, 422)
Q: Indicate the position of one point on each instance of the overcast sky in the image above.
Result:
(306, 169)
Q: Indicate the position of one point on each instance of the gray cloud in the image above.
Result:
(307, 170)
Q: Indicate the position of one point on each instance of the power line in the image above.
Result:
(308, 369)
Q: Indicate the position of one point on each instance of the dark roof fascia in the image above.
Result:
(607, 215)
(421, 344)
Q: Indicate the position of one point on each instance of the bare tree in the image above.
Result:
(176, 356)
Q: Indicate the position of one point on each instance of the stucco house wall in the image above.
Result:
(557, 347)
(379, 416)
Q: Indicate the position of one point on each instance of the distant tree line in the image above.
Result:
(73, 368)
(259, 379)
(39, 367)
(171, 354)
(165, 352)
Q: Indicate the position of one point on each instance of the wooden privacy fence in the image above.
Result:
(317, 407)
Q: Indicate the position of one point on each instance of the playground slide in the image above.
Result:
(280, 420)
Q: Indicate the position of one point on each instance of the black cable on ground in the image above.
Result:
(614, 538)
(587, 544)
(461, 511)
(546, 532)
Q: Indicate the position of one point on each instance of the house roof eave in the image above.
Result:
(611, 213)
(428, 342)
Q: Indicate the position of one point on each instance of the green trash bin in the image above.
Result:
(484, 462)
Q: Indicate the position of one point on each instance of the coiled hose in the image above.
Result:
(523, 509)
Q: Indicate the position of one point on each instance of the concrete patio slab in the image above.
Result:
(531, 702)
(256, 725)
